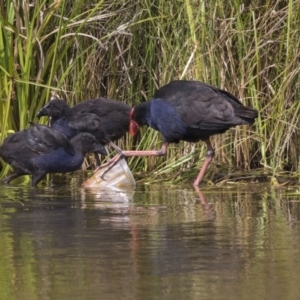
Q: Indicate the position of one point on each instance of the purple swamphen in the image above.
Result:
(190, 111)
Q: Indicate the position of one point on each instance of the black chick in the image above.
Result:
(107, 119)
(40, 149)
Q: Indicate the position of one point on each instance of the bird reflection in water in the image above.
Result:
(206, 206)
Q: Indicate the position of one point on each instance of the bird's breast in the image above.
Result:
(59, 161)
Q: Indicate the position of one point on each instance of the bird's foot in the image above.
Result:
(97, 167)
(110, 164)
(118, 149)
(160, 153)
(5, 181)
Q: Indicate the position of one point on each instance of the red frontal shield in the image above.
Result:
(133, 126)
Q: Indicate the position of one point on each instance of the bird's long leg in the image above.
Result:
(122, 154)
(9, 178)
(160, 152)
(118, 149)
(209, 156)
(201, 196)
(98, 163)
(37, 177)
(110, 164)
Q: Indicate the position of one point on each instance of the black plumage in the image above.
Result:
(40, 149)
(190, 111)
(107, 119)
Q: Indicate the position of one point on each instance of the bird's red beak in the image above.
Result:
(133, 125)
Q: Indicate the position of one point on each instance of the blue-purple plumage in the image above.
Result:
(39, 150)
(107, 120)
(190, 111)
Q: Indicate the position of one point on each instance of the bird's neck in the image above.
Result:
(60, 115)
(142, 113)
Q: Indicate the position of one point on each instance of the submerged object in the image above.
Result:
(113, 176)
(94, 198)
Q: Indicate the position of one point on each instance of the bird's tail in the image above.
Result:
(247, 114)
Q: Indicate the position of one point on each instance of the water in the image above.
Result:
(157, 242)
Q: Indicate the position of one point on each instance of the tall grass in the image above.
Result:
(125, 51)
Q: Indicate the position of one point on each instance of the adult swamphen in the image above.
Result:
(107, 119)
(40, 149)
(189, 111)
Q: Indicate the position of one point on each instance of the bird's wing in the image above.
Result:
(102, 107)
(84, 122)
(17, 137)
(88, 122)
(42, 139)
(201, 110)
(204, 107)
(114, 115)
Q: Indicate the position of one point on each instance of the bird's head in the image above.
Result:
(139, 116)
(55, 108)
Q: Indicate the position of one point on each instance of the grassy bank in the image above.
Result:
(124, 51)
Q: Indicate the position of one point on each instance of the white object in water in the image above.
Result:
(117, 176)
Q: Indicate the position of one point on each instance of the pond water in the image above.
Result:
(156, 242)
